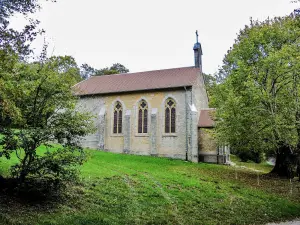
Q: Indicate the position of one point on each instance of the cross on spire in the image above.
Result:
(197, 52)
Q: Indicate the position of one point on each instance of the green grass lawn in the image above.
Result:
(127, 189)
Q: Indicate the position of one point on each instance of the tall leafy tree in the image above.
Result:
(13, 40)
(210, 83)
(37, 105)
(66, 65)
(258, 101)
(87, 71)
(119, 68)
(14, 46)
(45, 113)
(114, 69)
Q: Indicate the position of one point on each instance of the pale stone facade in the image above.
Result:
(158, 131)
(182, 144)
(207, 145)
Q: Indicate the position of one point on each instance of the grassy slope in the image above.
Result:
(126, 189)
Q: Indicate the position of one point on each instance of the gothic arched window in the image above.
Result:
(118, 111)
(170, 116)
(143, 117)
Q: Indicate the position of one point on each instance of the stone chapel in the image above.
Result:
(159, 113)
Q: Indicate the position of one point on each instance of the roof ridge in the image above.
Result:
(147, 80)
(143, 71)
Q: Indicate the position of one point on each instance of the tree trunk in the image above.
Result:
(280, 168)
(285, 162)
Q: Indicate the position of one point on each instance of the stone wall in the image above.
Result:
(207, 145)
(199, 95)
(155, 142)
(182, 144)
(93, 105)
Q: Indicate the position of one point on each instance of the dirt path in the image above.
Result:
(293, 222)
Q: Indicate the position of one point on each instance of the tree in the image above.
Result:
(18, 41)
(14, 46)
(119, 68)
(210, 83)
(87, 71)
(37, 105)
(45, 113)
(9, 7)
(258, 100)
(114, 69)
(66, 65)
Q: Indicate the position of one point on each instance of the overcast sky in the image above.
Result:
(148, 35)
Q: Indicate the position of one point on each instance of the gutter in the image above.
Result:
(186, 127)
(132, 91)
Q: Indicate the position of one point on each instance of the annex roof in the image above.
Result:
(129, 82)
(205, 119)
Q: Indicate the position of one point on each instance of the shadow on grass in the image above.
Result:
(32, 193)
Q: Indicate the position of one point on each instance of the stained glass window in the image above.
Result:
(118, 110)
(170, 116)
(143, 117)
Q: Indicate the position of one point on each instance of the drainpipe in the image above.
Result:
(186, 127)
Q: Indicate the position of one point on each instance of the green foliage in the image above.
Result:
(8, 108)
(66, 65)
(119, 68)
(13, 41)
(210, 83)
(10, 7)
(209, 80)
(245, 155)
(44, 106)
(258, 99)
(14, 46)
(87, 71)
(54, 167)
(37, 106)
(37, 91)
(114, 69)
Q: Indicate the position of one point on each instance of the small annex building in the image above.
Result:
(158, 113)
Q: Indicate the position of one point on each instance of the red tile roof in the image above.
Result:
(205, 119)
(150, 80)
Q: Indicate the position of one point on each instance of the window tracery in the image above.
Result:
(170, 116)
(143, 117)
(118, 115)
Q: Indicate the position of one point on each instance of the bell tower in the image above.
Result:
(198, 53)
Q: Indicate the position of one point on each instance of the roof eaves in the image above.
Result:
(136, 90)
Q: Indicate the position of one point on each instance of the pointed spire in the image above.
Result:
(197, 45)
(197, 52)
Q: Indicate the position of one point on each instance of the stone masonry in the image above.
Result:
(101, 128)
(127, 132)
(131, 111)
(153, 132)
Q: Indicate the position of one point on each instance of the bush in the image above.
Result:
(249, 155)
(55, 168)
(46, 111)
